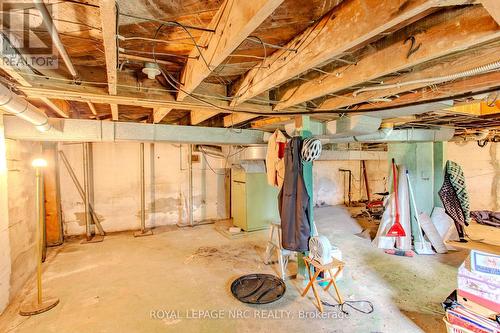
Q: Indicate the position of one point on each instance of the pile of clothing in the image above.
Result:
(284, 166)
(475, 305)
(486, 217)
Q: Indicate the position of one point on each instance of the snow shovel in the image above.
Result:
(422, 246)
(397, 229)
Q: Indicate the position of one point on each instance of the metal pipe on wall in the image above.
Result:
(190, 182)
(49, 24)
(143, 231)
(86, 197)
(143, 190)
(20, 107)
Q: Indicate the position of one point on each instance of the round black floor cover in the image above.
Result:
(258, 288)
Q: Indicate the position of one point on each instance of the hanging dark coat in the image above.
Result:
(294, 201)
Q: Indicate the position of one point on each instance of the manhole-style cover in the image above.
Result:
(258, 288)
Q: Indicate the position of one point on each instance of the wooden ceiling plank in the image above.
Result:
(349, 25)
(233, 23)
(238, 118)
(201, 115)
(473, 85)
(470, 60)
(471, 27)
(493, 7)
(108, 24)
(92, 108)
(81, 94)
(159, 113)
(59, 106)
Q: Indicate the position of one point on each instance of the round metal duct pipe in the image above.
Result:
(19, 106)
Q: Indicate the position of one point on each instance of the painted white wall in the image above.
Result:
(329, 181)
(4, 225)
(116, 171)
(17, 216)
(481, 168)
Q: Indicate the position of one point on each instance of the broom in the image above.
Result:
(397, 229)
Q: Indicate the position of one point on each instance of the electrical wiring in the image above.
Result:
(281, 56)
(123, 38)
(121, 49)
(168, 23)
(274, 46)
(495, 66)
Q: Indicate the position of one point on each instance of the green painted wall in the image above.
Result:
(424, 161)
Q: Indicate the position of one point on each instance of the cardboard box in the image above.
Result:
(485, 263)
(480, 288)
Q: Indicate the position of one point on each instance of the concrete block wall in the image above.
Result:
(17, 216)
(116, 173)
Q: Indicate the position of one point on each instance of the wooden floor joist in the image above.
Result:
(81, 94)
(469, 28)
(233, 23)
(201, 115)
(473, 85)
(493, 7)
(159, 113)
(108, 25)
(351, 24)
(450, 66)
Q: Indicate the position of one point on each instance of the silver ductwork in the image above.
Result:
(111, 131)
(400, 135)
(19, 106)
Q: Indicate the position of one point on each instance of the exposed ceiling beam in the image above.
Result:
(474, 85)
(351, 24)
(237, 118)
(476, 108)
(108, 25)
(92, 108)
(159, 113)
(270, 122)
(453, 65)
(135, 98)
(233, 22)
(493, 7)
(201, 115)
(468, 28)
(60, 106)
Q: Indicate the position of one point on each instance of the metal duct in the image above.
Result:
(49, 24)
(84, 130)
(402, 135)
(17, 105)
(353, 125)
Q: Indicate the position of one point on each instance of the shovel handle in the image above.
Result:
(395, 187)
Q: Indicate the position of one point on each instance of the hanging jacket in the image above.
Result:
(275, 164)
(294, 201)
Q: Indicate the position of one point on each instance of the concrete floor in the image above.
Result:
(114, 286)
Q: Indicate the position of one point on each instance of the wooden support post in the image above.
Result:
(108, 25)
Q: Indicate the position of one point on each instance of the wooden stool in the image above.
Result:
(319, 268)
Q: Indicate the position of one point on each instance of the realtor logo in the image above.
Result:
(25, 41)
